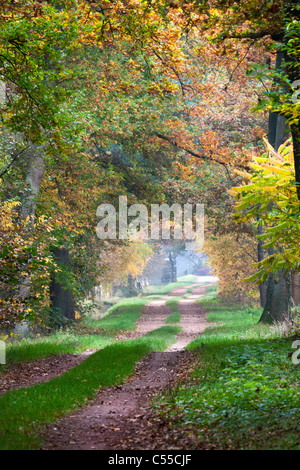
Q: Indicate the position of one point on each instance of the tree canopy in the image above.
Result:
(157, 101)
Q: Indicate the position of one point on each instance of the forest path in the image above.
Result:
(121, 417)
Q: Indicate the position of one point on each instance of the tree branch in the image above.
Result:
(275, 35)
(14, 158)
(197, 155)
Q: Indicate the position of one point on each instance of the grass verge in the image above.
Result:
(188, 278)
(244, 393)
(25, 411)
(166, 289)
(123, 316)
(91, 333)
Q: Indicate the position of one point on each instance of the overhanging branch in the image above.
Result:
(198, 155)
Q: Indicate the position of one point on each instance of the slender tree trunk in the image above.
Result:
(61, 298)
(173, 270)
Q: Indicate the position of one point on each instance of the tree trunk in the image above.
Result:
(296, 288)
(260, 257)
(60, 298)
(34, 176)
(277, 300)
(292, 12)
(295, 130)
(173, 270)
(62, 304)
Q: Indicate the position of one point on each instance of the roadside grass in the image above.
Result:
(211, 292)
(166, 289)
(173, 303)
(90, 333)
(24, 412)
(183, 281)
(154, 296)
(189, 291)
(65, 342)
(188, 278)
(244, 393)
(122, 316)
(174, 317)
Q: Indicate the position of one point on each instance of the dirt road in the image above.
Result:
(121, 417)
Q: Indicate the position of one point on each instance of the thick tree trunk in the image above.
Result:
(260, 257)
(278, 300)
(62, 304)
(34, 176)
(293, 72)
(2, 92)
(131, 288)
(61, 299)
(295, 129)
(296, 288)
(292, 13)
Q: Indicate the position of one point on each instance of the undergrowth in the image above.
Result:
(244, 393)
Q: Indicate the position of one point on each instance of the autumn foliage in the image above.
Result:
(269, 195)
(149, 99)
